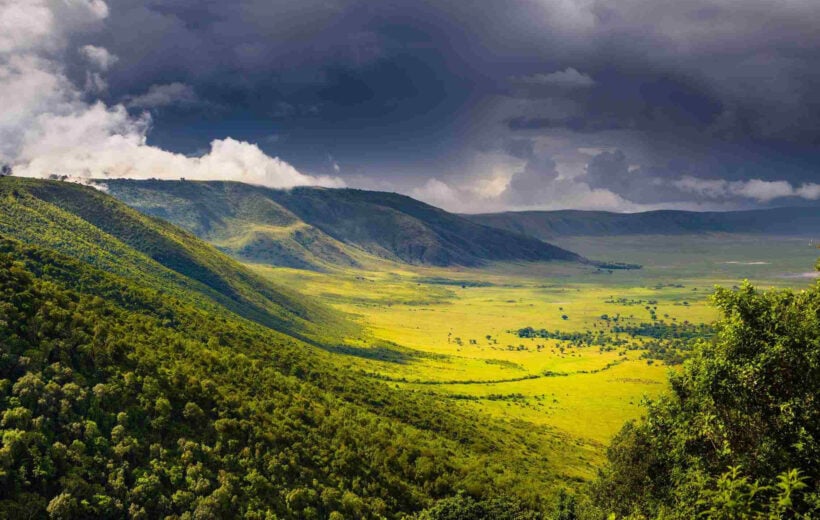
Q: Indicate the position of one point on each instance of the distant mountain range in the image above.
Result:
(549, 225)
(317, 227)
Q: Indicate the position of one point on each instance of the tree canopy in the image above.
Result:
(738, 435)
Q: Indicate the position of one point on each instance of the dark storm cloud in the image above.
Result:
(610, 170)
(326, 76)
(533, 183)
(578, 124)
(704, 89)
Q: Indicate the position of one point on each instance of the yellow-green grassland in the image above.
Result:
(561, 354)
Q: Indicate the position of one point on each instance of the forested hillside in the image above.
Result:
(128, 389)
(240, 219)
(95, 228)
(312, 227)
(144, 374)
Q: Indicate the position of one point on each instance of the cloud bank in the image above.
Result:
(547, 104)
(50, 126)
(98, 57)
(604, 180)
(757, 189)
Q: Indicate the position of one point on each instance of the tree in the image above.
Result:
(748, 398)
(462, 507)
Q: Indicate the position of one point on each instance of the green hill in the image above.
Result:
(95, 228)
(144, 374)
(315, 227)
(548, 225)
(239, 219)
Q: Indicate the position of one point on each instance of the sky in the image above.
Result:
(472, 105)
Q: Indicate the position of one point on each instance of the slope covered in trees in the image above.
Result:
(95, 228)
(240, 219)
(144, 374)
(130, 389)
(739, 435)
(305, 227)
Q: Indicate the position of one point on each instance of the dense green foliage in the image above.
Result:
(384, 224)
(462, 507)
(129, 388)
(739, 435)
(106, 409)
(144, 374)
(93, 227)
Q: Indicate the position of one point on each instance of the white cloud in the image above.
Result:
(98, 57)
(501, 183)
(36, 89)
(127, 156)
(761, 190)
(24, 25)
(43, 25)
(568, 78)
(809, 191)
(51, 129)
(757, 189)
(441, 194)
(554, 195)
(711, 188)
(164, 95)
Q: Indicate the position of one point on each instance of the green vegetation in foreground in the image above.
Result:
(739, 435)
(737, 438)
(130, 388)
(129, 405)
(144, 374)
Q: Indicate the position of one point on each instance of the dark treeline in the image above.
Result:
(657, 330)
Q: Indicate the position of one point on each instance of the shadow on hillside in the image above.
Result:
(378, 353)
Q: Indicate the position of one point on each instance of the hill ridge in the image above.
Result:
(342, 226)
(94, 227)
(546, 225)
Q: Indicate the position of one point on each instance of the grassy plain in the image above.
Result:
(453, 333)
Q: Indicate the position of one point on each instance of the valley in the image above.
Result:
(440, 304)
(152, 371)
(454, 332)
(437, 260)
